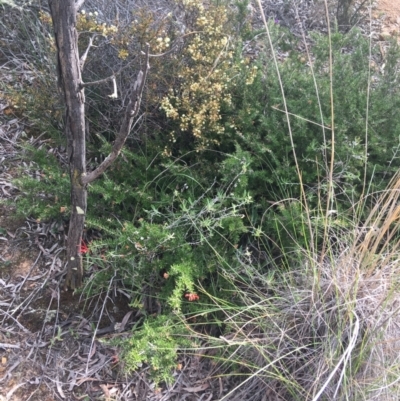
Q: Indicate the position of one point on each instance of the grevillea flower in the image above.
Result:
(192, 297)
(83, 248)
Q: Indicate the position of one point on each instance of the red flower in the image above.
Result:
(114, 359)
(83, 248)
(192, 297)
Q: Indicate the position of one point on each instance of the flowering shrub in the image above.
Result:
(195, 103)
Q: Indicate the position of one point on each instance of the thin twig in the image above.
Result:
(110, 78)
(146, 53)
(301, 118)
(4, 345)
(20, 285)
(98, 324)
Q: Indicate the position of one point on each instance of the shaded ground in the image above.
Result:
(52, 343)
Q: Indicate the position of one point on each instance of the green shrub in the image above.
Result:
(44, 185)
(171, 224)
(156, 345)
(256, 121)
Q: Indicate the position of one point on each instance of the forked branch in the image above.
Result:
(131, 112)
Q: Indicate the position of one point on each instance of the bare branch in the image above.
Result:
(84, 55)
(110, 78)
(131, 112)
(114, 95)
(79, 4)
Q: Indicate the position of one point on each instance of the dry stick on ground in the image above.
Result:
(64, 16)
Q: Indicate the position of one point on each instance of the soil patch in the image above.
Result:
(390, 8)
(388, 11)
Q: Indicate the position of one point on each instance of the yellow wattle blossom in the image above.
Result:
(123, 54)
(196, 104)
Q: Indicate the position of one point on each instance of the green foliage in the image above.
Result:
(44, 185)
(156, 345)
(181, 228)
(256, 121)
(32, 92)
(183, 275)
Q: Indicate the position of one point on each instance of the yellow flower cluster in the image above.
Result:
(45, 17)
(191, 81)
(123, 54)
(146, 28)
(252, 75)
(207, 68)
(87, 22)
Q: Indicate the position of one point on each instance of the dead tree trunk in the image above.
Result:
(63, 13)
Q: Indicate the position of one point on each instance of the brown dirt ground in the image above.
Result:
(391, 8)
(388, 11)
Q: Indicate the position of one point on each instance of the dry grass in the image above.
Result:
(325, 330)
(329, 327)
